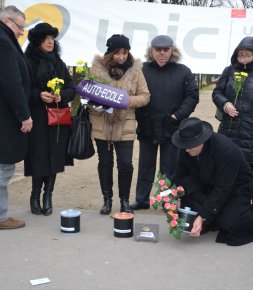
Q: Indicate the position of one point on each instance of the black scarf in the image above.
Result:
(46, 67)
(117, 70)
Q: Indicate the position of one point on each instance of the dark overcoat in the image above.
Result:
(218, 185)
(45, 155)
(239, 128)
(14, 93)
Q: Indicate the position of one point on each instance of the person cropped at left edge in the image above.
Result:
(117, 130)
(15, 117)
(217, 180)
(47, 154)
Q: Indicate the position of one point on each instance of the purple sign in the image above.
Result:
(102, 94)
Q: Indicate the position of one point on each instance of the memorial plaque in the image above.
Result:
(146, 232)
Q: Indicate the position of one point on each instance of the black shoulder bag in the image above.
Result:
(80, 143)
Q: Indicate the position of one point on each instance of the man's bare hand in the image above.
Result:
(27, 125)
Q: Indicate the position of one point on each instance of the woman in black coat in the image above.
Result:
(237, 118)
(47, 150)
(217, 180)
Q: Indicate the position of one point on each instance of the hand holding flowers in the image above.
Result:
(56, 85)
(166, 196)
(239, 79)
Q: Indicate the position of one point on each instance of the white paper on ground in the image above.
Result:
(39, 281)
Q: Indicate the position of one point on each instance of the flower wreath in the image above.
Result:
(166, 197)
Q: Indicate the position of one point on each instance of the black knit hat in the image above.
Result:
(38, 34)
(117, 41)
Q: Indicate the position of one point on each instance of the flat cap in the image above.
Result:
(162, 41)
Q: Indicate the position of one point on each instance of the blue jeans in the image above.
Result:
(6, 172)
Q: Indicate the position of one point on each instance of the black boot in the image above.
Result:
(35, 195)
(106, 182)
(125, 207)
(47, 197)
(107, 207)
(124, 183)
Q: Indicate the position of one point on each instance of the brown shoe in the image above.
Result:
(10, 224)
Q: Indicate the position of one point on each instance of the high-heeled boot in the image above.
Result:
(35, 195)
(124, 183)
(47, 197)
(106, 182)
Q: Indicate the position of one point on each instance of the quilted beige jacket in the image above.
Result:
(121, 124)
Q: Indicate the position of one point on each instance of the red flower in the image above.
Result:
(164, 187)
(161, 182)
(158, 198)
(175, 216)
(152, 200)
(166, 199)
(174, 192)
(173, 223)
(167, 205)
(180, 188)
(173, 207)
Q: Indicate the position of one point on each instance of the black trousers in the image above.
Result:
(124, 153)
(147, 166)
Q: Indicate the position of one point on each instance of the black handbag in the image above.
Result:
(80, 143)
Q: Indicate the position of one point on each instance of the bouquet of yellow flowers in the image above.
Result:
(55, 85)
(166, 197)
(58, 116)
(239, 79)
(84, 71)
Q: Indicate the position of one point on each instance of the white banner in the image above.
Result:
(206, 37)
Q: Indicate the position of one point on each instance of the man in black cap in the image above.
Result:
(217, 180)
(174, 96)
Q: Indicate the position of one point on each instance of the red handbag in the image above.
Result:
(59, 116)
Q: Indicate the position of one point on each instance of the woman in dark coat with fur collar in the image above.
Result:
(174, 96)
(47, 155)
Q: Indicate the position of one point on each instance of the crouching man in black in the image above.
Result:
(217, 180)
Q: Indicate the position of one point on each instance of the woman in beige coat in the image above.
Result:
(117, 130)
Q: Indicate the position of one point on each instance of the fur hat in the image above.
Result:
(38, 34)
(192, 132)
(117, 41)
